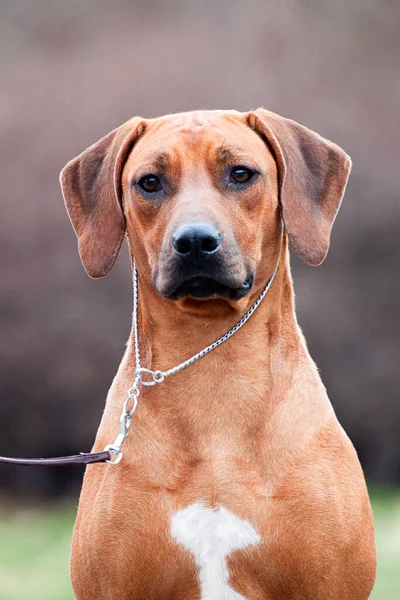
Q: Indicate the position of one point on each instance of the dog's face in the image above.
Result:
(201, 196)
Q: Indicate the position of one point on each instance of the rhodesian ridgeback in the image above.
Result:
(237, 480)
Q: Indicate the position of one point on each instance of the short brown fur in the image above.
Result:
(249, 426)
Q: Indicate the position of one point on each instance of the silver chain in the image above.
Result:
(157, 376)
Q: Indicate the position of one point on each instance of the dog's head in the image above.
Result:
(201, 195)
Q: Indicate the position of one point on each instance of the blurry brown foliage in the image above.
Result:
(70, 72)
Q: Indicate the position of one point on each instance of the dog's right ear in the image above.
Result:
(91, 186)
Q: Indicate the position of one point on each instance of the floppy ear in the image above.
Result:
(91, 186)
(312, 173)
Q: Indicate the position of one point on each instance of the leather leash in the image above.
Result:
(84, 458)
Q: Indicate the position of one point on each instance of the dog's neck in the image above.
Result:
(242, 379)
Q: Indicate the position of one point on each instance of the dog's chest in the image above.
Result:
(210, 536)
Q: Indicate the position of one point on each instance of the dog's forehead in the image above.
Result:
(200, 132)
(197, 119)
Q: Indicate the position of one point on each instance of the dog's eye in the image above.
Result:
(241, 175)
(150, 184)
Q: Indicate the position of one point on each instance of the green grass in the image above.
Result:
(34, 549)
(386, 507)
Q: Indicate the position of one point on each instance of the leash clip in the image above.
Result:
(124, 423)
(114, 451)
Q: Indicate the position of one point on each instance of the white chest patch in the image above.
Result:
(211, 535)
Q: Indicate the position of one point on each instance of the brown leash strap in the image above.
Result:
(84, 458)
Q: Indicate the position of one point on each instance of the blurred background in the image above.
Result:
(70, 72)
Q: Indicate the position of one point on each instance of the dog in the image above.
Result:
(237, 481)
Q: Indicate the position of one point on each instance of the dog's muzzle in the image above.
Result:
(199, 264)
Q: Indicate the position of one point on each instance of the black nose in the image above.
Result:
(196, 241)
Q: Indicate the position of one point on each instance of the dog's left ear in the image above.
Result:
(91, 186)
(312, 173)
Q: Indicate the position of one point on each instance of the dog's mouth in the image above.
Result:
(205, 287)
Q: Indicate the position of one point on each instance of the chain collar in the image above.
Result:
(157, 376)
